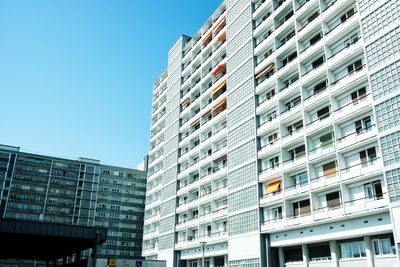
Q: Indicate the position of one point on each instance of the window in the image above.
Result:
(320, 87)
(277, 213)
(299, 180)
(301, 208)
(293, 254)
(384, 245)
(352, 249)
(315, 39)
(326, 140)
(297, 152)
(354, 67)
(333, 199)
(319, 252)
(289, 58)
(347, 15)
(329, 169)
(270, 94)
(274, 162)
(292, 103)
(318, 62)
(358, 95)
(272, 138)
(373, 190)
(323, 113)
(367, 156)
(294, 127)
(363, 125)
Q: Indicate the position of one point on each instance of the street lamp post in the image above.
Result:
(203, 244)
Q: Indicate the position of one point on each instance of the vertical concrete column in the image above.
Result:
(304, 249)
(281, 257)
(368, 251)
(226, 260)
(212, 262)
(334, 253)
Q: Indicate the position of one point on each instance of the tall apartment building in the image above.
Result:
(81, 192)
(275, 138)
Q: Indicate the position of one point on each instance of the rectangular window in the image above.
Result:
(333, 200)
(318, 62)
(277, 213)
(274, 162)
(323, 113)
(326, 140)
(373, 190)
(320, 87)
(329, 169)
(272, 138)
(358, 95)
(362, 125)
(347, 15)
(315, 39)
(384, 245)
(301, 208)
(352, 249)
(354, 67)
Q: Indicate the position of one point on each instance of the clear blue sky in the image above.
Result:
(76, 76)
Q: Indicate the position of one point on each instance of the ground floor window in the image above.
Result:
(384, 245)
(319, 252)
(293, 254)
(352, 249)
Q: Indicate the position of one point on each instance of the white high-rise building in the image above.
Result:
(275, 138)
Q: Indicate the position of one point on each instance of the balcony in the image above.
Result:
(353, 107)
(191, 241)
(366, 204)
(311, 49)
(315, 98)
(151, 234)
(187, 187)
(346, 50)
(205, 217)
(287, 139)
(260, 7)
(270, 173)
(370, 167)
(220, 212)
(347, 81)
(192, 222)
(265, 104)
(152, 219)
(295, 190)
(313, 72)
(324, 181)
(150, 251)
(271, 197)
(299, 219)
(267, 125)
(319, 123)
(154, 203)
(321, 151)
(323, 213)
(273, 224)
(315, 22)
(356, 137)
(183, 206)
(298, 160)
(341, 27)
(215, 237)
(290, 112)
(268, 148)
